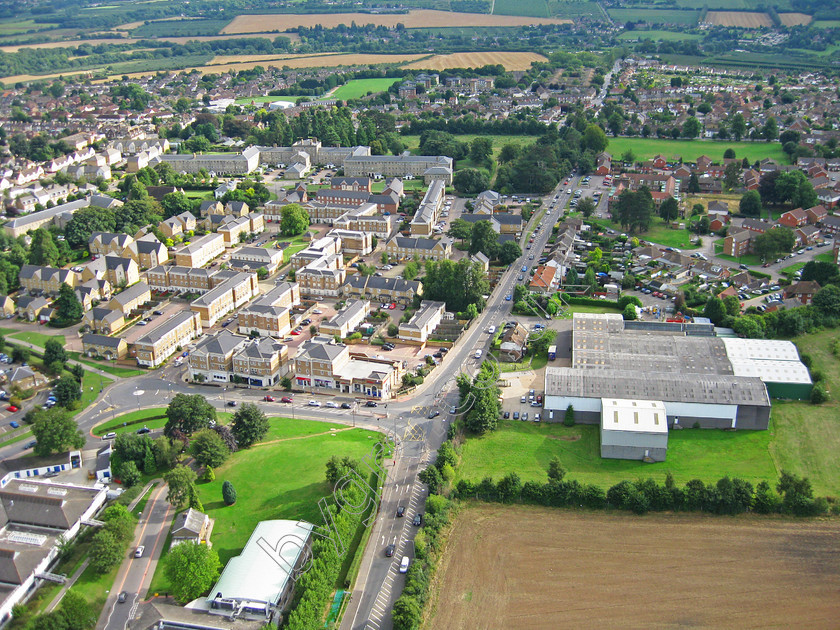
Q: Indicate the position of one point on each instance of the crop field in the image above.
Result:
(510, 60)
(690, 150)
(13, 27)
(360, 87)
(314, 61)
(423, 18)
(531, 8)
(180, 28)
(572, 9)
(739, 19)
(223, 60)
(665, 36)
(528, 567)
(655, 16)
(794, 19)
(827, 24)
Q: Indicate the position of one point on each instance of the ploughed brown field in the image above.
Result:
(528, 567)
(423, 18)
(742, 19)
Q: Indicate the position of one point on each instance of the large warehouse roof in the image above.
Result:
(773, 371)
(722, 389)
(764, 349)
(637, 416)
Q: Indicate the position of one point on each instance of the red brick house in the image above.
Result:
(794, 218)
(802, 291)
(816, 214)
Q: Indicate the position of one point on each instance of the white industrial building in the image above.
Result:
(634, 429)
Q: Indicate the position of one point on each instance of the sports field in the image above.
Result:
(510, 60)
(422, 18)
(360, 87)
(690, 150)
(528, 567)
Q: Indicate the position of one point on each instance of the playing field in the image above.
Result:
(690, 150)
(528, 567)
(413, 19)
(360, 87)
(510, 60)
(740, 19)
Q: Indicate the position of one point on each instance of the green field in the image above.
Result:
(180, 28)
(13, 27)
(361, 87)
(571, 9)
(826, 23)
(262, 99)
(290, 485)
(527, 447)
(412, 143)
(825, 257)
(658, 233)
(36, 338)
(655, 16)
(667, 36)
(105, 366)
(690, 150)
(92, 384)
(528, 8)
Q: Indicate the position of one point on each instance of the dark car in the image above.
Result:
(122, 597)
(434, 414)
(401, 511)
(143, 431)
(157, 312)
(346, 406)
(516, 415)
(231, 403)
(370, 403)
(506, 415)
(389, 550)
(31, 444)
(418, 520)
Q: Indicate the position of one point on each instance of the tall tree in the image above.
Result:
(249, 425)
(180, 481)
(55, 431)
(67, 391)
(188, 413)
(54, 352)
(106, 552)
(43, 250)
(208, 448)
(294, 220)
(68, 309)
(669, 209)
(481, 149)
(470, 181)
(191, 569)
(750, 204)
(484, 239)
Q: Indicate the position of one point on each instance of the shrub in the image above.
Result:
(228, 493)
(569, 418)
(819, 395)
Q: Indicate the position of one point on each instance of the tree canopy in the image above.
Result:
(191, 570)
(249, 425)
(188, 413)
(294, 220)
(55, 431)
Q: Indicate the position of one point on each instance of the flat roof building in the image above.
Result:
(633, 429)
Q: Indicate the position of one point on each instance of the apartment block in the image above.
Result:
(402, 248)
(347, 319)
(225, 297)
(353, 242)
(153, 348)
(200, 251)
(323, 277)
(46, 279)
(226, 357)
(270, 314)
(428, 212)
(131, 298)
(423, 322)
(253, 258)
(329, 245)
(382, 289)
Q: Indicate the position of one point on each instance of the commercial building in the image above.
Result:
(633, 429)
(332, 367)
(775, 362)
(153, 348)
(259, 583)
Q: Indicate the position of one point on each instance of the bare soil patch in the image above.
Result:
(510, 60)
(741, 19)
(423, 18)
(527, 567)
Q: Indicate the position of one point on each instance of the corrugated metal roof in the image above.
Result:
(642, 416)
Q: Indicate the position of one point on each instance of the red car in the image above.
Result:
(12, 408)
(286, 399)
(393, 306)
(295, 332)
(268, 398)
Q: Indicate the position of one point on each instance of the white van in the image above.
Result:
(491, 330)
(404, 564)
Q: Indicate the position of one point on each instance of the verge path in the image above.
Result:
(67, 586)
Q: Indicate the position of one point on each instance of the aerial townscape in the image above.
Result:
(418, 315)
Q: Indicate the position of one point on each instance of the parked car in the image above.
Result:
(143, 431)
(524, 415)
(231, 403)
(14, 424)
(516, 415)
(268, 398)
(31, 444)
(109, 436)
(418, 520)
(370, 403)
(346, 406)
(286, 399)
(506, 415)
(404, 563)
(434, 413)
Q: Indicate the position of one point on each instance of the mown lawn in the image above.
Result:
(280, 480)
(658, 233)
(36, 338)
(105, 366)
(690, 150)
(361, 87)
(527, 447)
